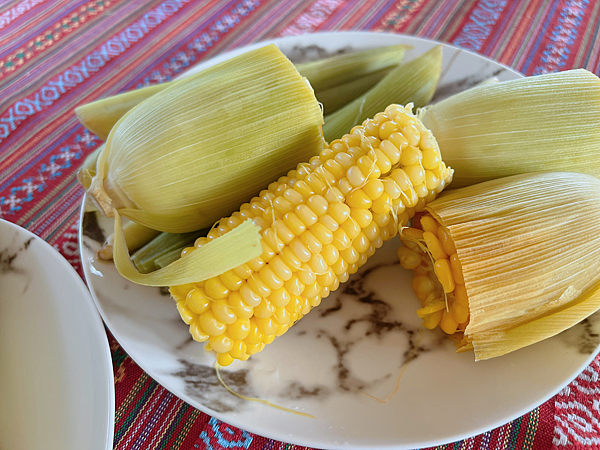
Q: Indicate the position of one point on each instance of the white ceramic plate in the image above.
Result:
(353, 347)
(56, 378)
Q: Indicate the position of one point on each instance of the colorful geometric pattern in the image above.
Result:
(56, 55)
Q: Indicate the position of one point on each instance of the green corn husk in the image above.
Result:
(414, 82)
(542, 123)
(147, 257)
(336, 97)
(193, 153)
(136, 236)
(326, 76)
(167, 258)
(100, 116)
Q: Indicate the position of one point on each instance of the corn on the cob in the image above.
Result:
(319, 224)
(508, 262)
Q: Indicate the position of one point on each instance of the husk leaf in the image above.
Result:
(529, 246)
(542, 123)
(414, 82)
(360, 71)
(237, 247)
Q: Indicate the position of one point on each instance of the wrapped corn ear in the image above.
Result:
(228, 130)
(508, 262)
(542, 123)
(189, 155)
(319, 224)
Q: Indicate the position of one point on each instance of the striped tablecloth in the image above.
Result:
(55, 55)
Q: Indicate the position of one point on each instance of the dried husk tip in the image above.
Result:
(529, 246)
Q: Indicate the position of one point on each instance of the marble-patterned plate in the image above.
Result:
(343, 362)
(56, 377)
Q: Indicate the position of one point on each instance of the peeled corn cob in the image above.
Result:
(509, 262)
(319, 224)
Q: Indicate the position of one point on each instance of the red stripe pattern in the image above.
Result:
(56, 55)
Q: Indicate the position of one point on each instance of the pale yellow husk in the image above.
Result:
(542, 123)
(191, 154)
(529, 246)
(222, 254)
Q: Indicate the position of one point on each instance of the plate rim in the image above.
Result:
(301, 440)
(97, 325)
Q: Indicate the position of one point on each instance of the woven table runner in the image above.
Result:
(56, 55)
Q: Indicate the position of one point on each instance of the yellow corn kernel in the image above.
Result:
(423, 286)
(198, 334)
(223, 311)
(294, 224)
(270, 279)
(255, 336)
(443, 273)
(446, 241)
(292, 196)
(306, 275)
(231, 281)
(311, 242)
(215, 289)
(280, 297)
(308, 217)
(345, 160)
(197, 301)
(318, 204)
(431, 158)
(300, 250)
(358, 199)
(303, 189)
(382, 205)
(386, 129)
(448, 324)
(267, 326)
(341, 240)
(330, 254)
(391, 151)
(294, 286)
(221, 344)
(408, 258)
(264, 310)
(460, 313)
(456, 268)
(210, 324)
(416, 174)
(282, 315)
(238, 350)
(250, 296)
(351, 228)
(431, 308)
(186, 313)
(283, 233)
(339, 211)
(362, 217)
(224, 359)
(350, 255)
(239, 329)
(428, 223)
(460, 294)
(432, 320)
(434, 246)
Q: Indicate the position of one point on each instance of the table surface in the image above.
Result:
(56, 55)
